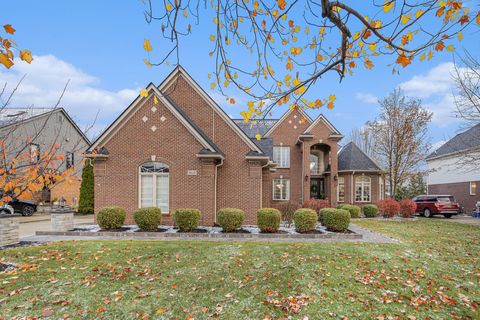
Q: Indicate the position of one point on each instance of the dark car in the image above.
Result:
(430, 205)
(25, 207)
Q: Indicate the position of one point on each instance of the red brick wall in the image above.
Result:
(350, 187)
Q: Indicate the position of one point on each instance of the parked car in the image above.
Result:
(6, 209)
(24, 207)
(430, 205)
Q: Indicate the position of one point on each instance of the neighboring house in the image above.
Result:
(454, 168)
(34, 131)
(177, 148)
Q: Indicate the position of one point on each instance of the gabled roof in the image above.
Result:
(202, 138)
(179, 70)
(322, 118)
(352, 158)
(469, 139)
(18, 116)
(251, 129)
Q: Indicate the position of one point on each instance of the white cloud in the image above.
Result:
(45, 79)
(366, 97)
(435, 88)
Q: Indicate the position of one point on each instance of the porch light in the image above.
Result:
(61, 202)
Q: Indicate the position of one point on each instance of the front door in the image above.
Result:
(317, 188)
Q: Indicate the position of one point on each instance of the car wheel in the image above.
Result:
(447, 215)
(427, 213)
(27, 211)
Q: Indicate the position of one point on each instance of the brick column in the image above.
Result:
(9, 229)
(207, 192)
(333, 183)
(62, 219)
(306, 170)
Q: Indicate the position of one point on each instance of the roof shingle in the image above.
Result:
(463, 141)
(351, 158)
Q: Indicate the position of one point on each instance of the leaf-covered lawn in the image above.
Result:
(434, 273)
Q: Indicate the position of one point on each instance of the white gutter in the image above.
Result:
(215, 193)
(352, 185)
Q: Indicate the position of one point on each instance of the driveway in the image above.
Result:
(461, 219)
(28, 225)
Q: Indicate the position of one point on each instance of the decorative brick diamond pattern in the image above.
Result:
(145, 119)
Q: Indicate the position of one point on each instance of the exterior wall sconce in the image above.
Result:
(306, 178)
(335, 177)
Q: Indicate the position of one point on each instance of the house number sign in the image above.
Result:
(191, 172)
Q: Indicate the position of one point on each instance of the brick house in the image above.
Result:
(176, 148)
(453, 171)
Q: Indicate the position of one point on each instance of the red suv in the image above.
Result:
(430, 205)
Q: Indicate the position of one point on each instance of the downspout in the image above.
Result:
(352, 185)
(261, 183)
(303, 165)
(215, 192)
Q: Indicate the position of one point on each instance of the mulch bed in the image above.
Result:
(158, 230)
(278, 232)
(315, 231)
(193, 231)
(238, 231)
(122, 229)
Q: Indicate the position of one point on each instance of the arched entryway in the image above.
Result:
(319, 167)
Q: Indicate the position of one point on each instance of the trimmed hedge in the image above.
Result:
(322, 212)
(111, 218)
(337, 220)
(340, 206)
(230, 219)
(305, 220)
(407, 208)
(353, 209)
(268, 220)
(389, 208)
(148, 219)
(187, 219)
(370, 210)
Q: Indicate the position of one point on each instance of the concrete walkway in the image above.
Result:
(29, 225)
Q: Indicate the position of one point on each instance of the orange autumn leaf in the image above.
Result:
(403, 60)
(26, 56)
(464, 19)
(439, 46)
(5, 60)
(368, 64)
(9, 29)
(281, 4)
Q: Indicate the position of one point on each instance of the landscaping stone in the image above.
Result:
(9, 224)
(62, 219)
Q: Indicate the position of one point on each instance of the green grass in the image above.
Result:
(434, 272)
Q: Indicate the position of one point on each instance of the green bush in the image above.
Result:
(86, 202)
(337, 220)
(268, 220)
(148, 219)
(370, 210)
(187, 219)
(322, 212)
(230, 219)
(111, 218)
(340, 206)
(353, 209)
(305, 220)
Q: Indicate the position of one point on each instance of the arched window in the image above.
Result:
(154, 185)
(363, 187)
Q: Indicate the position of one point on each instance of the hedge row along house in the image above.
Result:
(27, 134)
(176, 148)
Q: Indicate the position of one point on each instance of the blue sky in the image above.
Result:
(98, 45)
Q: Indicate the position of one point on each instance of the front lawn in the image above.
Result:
(434, 272)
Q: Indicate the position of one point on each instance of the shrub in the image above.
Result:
(407, 208)
(268, 220)
(288, 209)
(230, 219)
(370, 210)
(340, 206)
(353, 209)
(86, 202)
(316, 204)
(111, 218)
(148, 219)
(187, 219)
(322, 213)
(305, 220)
(388, 207)
(336, 220)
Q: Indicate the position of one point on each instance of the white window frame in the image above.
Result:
(283, 158)
(338, 189)
(360, 182)
(285, 182)
(382, 188)
(473, 183)
(155, 175)
(34, 149)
